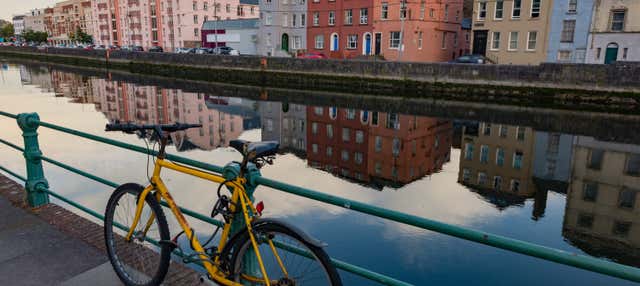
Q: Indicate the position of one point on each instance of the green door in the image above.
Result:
(612, 53)
(285, 42)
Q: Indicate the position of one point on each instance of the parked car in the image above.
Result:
(113, 47)
(312, 55)
(203, 51)
(156, 49)
(137, 49)
(471, 59)
(222, 50)
(185, 50)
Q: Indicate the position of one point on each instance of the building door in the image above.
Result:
(480, 42)
(612, 53)
(378, 40)
(367, 44)
(334, 42)
(285, 42)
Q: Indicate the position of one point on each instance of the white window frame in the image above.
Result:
(529, 39)
(348, 17)
(319, 44)
(384, 11)
(513, 9)
(364, 17)
(539, 9)
(495, 10)
(493, 35)
(332, 20)
(509, 47)
(316, 18)
(391, 40)
(575, 6)
(480, 4)
(352, 41)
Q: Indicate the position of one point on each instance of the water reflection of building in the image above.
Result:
(76, 87)
(285, 123)
(497, 159)
(151, 105)
(602, 215)
(38, 76)
(374, 147)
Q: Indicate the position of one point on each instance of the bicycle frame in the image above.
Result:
(239, 197)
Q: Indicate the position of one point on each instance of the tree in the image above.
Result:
(7, 31)
(32, 36)
(80, 36)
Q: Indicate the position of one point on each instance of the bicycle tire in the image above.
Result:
(274, 230)
(128, 257)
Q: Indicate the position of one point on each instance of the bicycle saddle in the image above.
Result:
(254, 150)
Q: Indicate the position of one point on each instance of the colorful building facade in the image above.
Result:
(615, 32)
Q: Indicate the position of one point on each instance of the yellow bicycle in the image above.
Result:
(261, 252)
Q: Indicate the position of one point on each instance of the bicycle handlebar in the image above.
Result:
(131, 127)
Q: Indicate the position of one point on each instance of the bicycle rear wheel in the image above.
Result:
(142, 261)
(284, 266)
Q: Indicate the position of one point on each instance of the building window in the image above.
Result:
(590, 191)
(403, 10)
(625, 51)
(468, 151)
(195, 19)
(564, 56)
(195, 32)
(513, 41)
(384, 11)
(348, 17)
(314, 148)
(329, 131)
(332, 18)
(617, 20)
(568, 30)
(520, 133)
(627, 198)
(345, 134)
(285, 19)
(268, 19)
(432, 13)
(205, 6)
(517, 160)
(358, 158)
(329, 151)
(319, 41)
(420, 40)
(394, 40)
(364, 16)
(359, 136)
(345, 155)
(535, 8)
(486, 130)
(314, 127)
(503, 131)
(422, 9)
(484, 154)
(228, 8)
(466, 175)
(573, 6)
(350, 114)
(195, 6)
(396, 145)
(294, 20)
(497, 183)
(596, 157)
(515, 185)
(517, 6)
(585, 220)
(633, 165)
(495, 41)
(482, 178)
(500, 156)
(499, 10)
(352, 41)
(598, 51)
(297, 42)
(303, 20)
(378, 143)
(532, 39)
(482, 10)
(443, 45)
(316, 20)
(621, 228)
(393, 121)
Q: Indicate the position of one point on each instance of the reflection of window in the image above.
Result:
(345, 155)
(515, 185)
(350, 114)
(318, 110)
(329, 151)
(503, 131)
(468, 151)
(487, 129)
(466, 175)
(633, 165)
(482, 178)
(585, 220)
(499, 156)
(497, 183)
(329, 131)
(269, 124)
(374, 118)
(314, 148)
(484, 154)
(590, 191)
(393, 121)
(378, 143)
(333, 112)
(359, 136)
(627, 198)
(595, 159)
(378, 167)
(358, 157)
(395, 148)
(520, 133)
(345, 134)
(314, 127)
(621, 228)
(517, 160)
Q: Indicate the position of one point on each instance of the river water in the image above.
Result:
(557, 178)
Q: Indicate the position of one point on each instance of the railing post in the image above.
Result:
(36, 183)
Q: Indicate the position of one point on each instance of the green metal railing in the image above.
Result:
(38, 192)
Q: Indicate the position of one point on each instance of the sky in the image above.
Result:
(12, 7)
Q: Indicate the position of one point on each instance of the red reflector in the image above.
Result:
(260, 207)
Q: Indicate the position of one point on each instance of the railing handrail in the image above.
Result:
(510, 244)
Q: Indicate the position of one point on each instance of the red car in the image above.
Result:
(312, 55)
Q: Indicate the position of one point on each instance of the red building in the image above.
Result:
(340, 29)
(375, 147)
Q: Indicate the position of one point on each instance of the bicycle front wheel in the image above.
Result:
(143, 260)
(287, 257)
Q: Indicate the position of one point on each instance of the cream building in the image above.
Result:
(615, 32)
(498, 158)
(603, 204)
(34, 20)
(511, 31)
